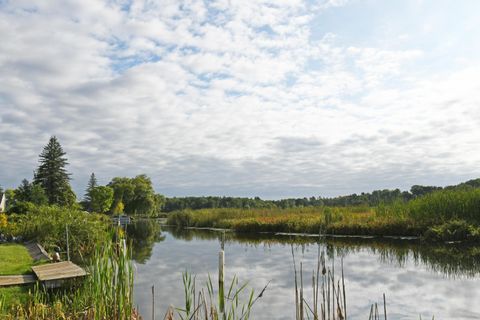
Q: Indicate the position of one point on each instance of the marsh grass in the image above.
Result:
(235, 303)
(400, 218)
(437, 207)
(328, 300)
(203, 303)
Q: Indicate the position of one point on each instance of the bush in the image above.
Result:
(455, 230)
(47, 225)
(3, 221)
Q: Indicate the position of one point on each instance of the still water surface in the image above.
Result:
(418, 280)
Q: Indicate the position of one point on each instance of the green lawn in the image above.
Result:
(15, 259)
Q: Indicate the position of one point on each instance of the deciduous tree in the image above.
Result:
(101, 199)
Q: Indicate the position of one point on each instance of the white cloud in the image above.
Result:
(227, 98)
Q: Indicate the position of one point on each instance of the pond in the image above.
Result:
(417, 279)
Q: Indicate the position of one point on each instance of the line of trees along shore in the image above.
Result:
(51, 186)
(372, 199)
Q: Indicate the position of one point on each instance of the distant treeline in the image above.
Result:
(51, 186)
(364, 199)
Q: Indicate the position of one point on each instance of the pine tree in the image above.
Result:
(24, 191)
(87, 199)
(52, 175)
(30, 192)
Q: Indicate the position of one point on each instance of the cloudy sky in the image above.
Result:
(273, 98)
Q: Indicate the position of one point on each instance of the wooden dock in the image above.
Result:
(6, 281)
(58, 271)
(50, 274)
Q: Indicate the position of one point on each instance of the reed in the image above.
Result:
(399, 218)
(204, 303)
(235, 303)
(111, 282)
(328, 292)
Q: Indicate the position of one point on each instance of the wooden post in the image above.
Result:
(68, 247)
(384, 306)
(153, 302)
(221, 275)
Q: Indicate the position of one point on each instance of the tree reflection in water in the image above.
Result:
(144, 234)
(449, 259)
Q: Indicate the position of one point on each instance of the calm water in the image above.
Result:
(418, 280)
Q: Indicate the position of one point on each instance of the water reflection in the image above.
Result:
(450, 259)
(144, 234)
(441, 280)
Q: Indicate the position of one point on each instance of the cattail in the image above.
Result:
(340, 314)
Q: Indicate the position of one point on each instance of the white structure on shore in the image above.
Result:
(3, 204)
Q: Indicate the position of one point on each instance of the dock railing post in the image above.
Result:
(68, 247)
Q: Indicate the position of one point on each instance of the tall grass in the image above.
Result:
(438, 207)
(233, 304)
(202, 304)
(328, 292)
(308, 219)
(400, 218)
(110, 286)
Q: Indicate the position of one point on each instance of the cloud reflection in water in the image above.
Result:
(416, 279)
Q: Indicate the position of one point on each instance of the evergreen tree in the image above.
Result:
(24, 191)
(87, 198)
(52, 176)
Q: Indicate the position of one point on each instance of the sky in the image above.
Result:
(283, 98)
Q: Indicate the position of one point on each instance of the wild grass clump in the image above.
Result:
(205, 302)
(110, 285)
(328, 300)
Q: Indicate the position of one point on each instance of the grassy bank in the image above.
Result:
(14, 259)
(440, 216)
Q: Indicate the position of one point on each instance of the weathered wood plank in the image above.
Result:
(37, 252)
(57, 271)
(16, 280)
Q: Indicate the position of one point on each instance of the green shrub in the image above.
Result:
(47, 225)
(455, 230)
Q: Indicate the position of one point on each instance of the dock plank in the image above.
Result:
(37, 252)
(58, 271)
(17, 280)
